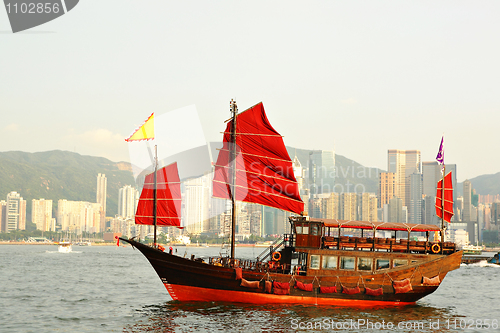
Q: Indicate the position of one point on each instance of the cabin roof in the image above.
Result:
(377, 225)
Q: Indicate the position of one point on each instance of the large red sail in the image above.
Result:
(445, 196)
(264, 172)
(168, 201)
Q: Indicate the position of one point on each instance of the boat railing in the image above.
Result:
(284, 240)
(387, 244)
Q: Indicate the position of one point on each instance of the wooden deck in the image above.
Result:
(387, 244)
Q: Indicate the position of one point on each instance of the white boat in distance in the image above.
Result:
(65, 247)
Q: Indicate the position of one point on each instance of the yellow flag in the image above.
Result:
(145, 132)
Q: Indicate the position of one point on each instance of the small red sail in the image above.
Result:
(168, 199)
(447, 197)
(264, 172)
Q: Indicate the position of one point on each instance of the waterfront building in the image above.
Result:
(41, 215)
(495, 213)
(416, 203)
(430, 216)
(298, 172)
(3, 216)
(367, 207)
(348, 206)
(128, 198)
(15, 212)
(102, 184)
(80, 216)
(467, 189)
(321, 170)
(196, 200)
(330, 206)
(254, 212)
(395, 210)
(386, 188)
(403, 163)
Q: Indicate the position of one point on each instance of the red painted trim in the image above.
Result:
(188, 293)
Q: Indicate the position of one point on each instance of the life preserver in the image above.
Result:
(435, 248)
(276, 256)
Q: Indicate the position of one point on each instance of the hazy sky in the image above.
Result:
(358, 76)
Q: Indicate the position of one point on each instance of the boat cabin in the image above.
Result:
(312, 233)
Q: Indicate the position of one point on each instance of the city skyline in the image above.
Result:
(355, 77)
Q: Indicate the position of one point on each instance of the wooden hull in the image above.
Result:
(189, 280)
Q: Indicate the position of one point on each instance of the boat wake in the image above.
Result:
(63, 252)
(482, 263)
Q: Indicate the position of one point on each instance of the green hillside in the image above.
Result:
(484, 184)
(61, 175)
(350, 175)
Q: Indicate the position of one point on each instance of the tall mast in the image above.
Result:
(234, 110)
(155, 197)
(442, 205)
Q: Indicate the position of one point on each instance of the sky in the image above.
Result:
(360, 77)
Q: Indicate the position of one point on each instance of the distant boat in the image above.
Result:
(472, 249)
(65, 247)
(495, 259)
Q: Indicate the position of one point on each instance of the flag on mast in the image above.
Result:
(145, 132)
(440, 154)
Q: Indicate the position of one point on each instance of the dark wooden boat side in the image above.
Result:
(175, 271)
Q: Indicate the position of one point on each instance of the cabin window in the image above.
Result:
(365, 264)
(305, 229)
(399, 262)
(298, 229)
(347, 262)
(314, 230)
(382, 264)
(314, 262)
(329, 262)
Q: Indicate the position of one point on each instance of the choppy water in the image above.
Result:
(110, 289)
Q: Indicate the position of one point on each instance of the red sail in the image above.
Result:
(447, 197)
(168, 199)
(264, 172)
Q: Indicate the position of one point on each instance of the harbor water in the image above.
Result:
(114, 289)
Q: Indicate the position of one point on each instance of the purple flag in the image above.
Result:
(440, 155)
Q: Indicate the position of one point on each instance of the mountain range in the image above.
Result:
(61, 175)
(66, 175)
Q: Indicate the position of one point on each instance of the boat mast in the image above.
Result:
(155, 196)
(442, 205)
(232, 158)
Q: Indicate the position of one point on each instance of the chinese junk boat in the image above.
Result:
(317, 263)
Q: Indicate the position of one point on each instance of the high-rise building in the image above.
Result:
(430, 216)
(16, 212)
(41, 215)
(330, 206)
(431, 174)
(102, 184)
(348, 206)
(403, 163)
(396, 213)
(79, 216)
(321, 171)
(466, 215)
(127, 201)
(196, 205)
(3, 216)
(416, 202)
(387, 187)
(367, 207)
